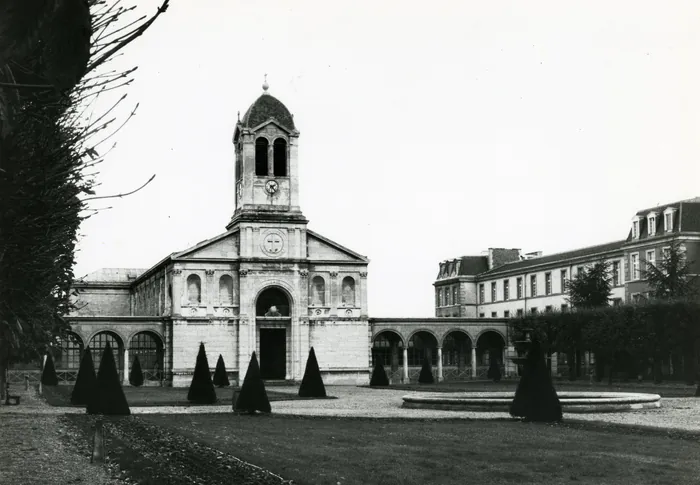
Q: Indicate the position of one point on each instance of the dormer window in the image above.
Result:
(635, 228)
(651, 224)
(668, 219)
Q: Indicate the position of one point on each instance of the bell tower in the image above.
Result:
(267, 178)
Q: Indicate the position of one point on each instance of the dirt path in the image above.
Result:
(41, 448)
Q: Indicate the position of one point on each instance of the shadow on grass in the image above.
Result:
(164, 396)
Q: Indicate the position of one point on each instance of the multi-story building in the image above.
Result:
(505, 283)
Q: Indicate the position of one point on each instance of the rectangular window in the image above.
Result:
(447, 297)
(564, 307)
(481, 315)
(634, 264)
(493, 291)
(617, 301)
(579, 270)
(548, 283)
(455, 296)
(650, 259)
(666, 253)
(481, 293)
(439, 297)
(668, 222)
(635, 229)
(506, 314)
(519, 287)
(562, 279)
(533, 310)
(652, 226)
(548, 309)
(519, 312)
(494, 314)
(616, 273)
(506, 289)
(533, 285)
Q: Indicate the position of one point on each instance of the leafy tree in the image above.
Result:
(48, 375)
(252, 396)
(201, 388)
(590, 288)
(85, 381)
(47, 50)
(107, 396)
(312, 382)
(426, 372)
(379, 377)
(535, 397)
(671, 277)
(220, 375)
(136, 374)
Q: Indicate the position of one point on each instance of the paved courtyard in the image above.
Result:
(675, 413)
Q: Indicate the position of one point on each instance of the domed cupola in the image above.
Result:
(265, 143)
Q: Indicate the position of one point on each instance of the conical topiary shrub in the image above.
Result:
(535, 398)
(252, 396)
(86, 380)
(220, 375)
(201, 389)
(379, 377)
(494, 372)
(312, 383)
(48, 375)
(136, 374)
(107, 395)
(426, 372)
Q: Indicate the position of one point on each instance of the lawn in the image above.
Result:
(673, 389)
(160, 396)
(329, 451)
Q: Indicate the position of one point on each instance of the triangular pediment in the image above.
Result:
(273, 122)
(323, 249)
(224, 246)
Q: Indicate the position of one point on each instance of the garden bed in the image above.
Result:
(161, 396)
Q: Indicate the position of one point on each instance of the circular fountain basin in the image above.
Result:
(571, 402)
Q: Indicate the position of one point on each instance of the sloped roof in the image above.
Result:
(267, 107)
(686, 218)
(553, 258)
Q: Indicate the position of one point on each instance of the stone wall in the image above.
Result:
(342, 350)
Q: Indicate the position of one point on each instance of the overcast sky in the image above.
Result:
(428, 130)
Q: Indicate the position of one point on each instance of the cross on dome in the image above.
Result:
(265, 86)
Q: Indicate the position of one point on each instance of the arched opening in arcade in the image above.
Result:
(422, 345)
(388, 346)
(148, 347)
(456, 355)
(97, 348)
(67, 354)
(490, 345)
(273, 326)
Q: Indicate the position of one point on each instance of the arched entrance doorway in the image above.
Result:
(422, 345)
(456, 355)
(388, 346)
(97, 348)
(490, 345)
(273, 322)
(148, 347)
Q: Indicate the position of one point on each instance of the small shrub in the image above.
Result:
(136, 374)
(312, 383)
(201, 388)
(379, 377)
(535, 398)
(252, 396)
(494, 372)
(48, 375)
(220, 375)
(426, 372)
(107, 396)
(86, 380)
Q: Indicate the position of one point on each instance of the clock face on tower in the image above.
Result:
(271, 187)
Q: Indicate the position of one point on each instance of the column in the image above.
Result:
(210, 291)
(474, 362)
(177, 291)
(439, 376)
(125, 379)
(394, 356)
(334, 299)
(405, 365)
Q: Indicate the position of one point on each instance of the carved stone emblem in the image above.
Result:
(243, 272)
(318, 312)
(273, 244)
(334, 274)
(363, 274)
(193, 311)
(177, 271)
(303, 273)
(348, 313)
(209, 272)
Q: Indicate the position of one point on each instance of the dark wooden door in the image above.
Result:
(273, 353)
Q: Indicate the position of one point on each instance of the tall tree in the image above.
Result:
(591, 287)
(51, 52)
(671, 278)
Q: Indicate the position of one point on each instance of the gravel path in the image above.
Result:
(675, 413)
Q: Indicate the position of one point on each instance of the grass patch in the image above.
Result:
(664, 390)
(391, 451)
(161, 396)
